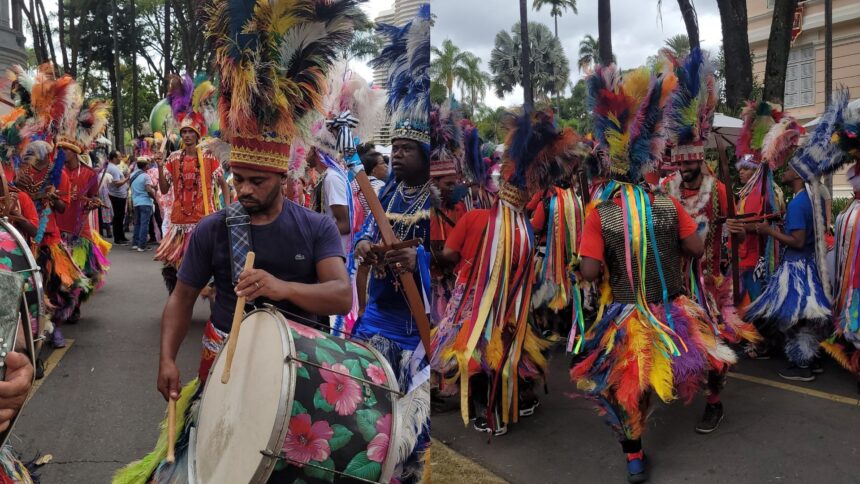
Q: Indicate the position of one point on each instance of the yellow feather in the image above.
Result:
(837, 352)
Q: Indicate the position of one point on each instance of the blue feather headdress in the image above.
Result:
(407, 59)
(819, 155)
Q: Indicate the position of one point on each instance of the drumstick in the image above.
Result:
(237, 323)
(171, 431)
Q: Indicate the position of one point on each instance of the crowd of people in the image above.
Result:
(625, 245)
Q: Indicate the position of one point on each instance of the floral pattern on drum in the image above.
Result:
(339, 422)
(13, 258)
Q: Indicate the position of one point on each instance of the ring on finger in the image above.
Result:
(257, 284)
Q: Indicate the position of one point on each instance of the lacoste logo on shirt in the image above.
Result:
(300, 257)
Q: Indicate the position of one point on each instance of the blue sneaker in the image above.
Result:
(636, 471)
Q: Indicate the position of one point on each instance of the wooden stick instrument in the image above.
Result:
(171, 431)
(730, 211)
(238, 313)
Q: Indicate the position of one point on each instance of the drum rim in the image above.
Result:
(285, 403)
(34, 266)
(28, 333)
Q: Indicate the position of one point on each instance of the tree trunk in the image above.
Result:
(777, 51)
(61, 20)
(36, 27)
(115, 80)
(525, 59)
(604, 31)
(691, 22)
(134, 83)
(50, 38)
(165, 82)
(738, 75)
(555, 17)
(75, 41)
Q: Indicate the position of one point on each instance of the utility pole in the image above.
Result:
(828, 69)
(134, 84)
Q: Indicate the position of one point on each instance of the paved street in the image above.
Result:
(99, 409)
(768, 435)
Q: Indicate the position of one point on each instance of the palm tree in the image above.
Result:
(548, 64)
(472, 79)
(444, 66)
(604, 31)
(589, 52)
(364, 45)
(678, 45)
(557, 8)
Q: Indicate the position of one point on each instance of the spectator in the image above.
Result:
(118, 194)
(142, 198)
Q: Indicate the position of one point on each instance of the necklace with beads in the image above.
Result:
(416, 197)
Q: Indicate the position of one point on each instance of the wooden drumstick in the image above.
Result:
(171, 431)
(238, 313)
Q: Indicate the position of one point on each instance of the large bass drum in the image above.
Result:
(20, 299)
(301, 406)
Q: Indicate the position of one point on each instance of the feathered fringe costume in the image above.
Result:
(12, 470)
(648, 336)
(90, 255)
(487, 328)
(844, 344)
(797, 300)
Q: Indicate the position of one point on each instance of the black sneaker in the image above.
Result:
(711, 419)
(481, 425)
(816, 367)
(40, 369)
(528, 407)
(797, 373)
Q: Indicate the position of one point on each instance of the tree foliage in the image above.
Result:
(549, 66)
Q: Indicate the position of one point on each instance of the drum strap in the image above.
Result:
(239, 232)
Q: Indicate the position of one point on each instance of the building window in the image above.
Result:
(770, 3)
(800, 77)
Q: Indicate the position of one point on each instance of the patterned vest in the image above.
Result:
(665, 219)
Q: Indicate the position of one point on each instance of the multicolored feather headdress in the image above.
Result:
(55, 105)
(690, 113)
(628, 119)
(847, 135)
(767, 135)
(272, 58)
(446, 140)
(407, 59)
(820, 155)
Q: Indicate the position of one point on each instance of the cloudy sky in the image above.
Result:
(636, 29)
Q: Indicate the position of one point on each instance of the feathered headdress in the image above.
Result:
(353, 109)
(272, 58)
(756, 137)
(446, 140)
(55, 104)
(406, 57)
(628, 118)
(847, 136)
(691, 108)
(537, 154)
(92, 121)
(820, 155)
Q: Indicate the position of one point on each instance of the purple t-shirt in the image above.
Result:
(288, 248)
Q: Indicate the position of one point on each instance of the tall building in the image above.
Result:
(402, 12)
(804, 81)
(11, 39)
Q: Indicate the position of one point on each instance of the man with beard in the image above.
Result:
(299, 268)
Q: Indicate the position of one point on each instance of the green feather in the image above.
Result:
(139, 472)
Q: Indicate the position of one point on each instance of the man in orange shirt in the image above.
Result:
(192, 173)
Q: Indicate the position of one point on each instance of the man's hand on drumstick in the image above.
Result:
(256, 283)
(364, 253)
(402, 260)
(168, 379)
(14, 391)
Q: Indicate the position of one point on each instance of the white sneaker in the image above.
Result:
(134, 247)
(139, 249)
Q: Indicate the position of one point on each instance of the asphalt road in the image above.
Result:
(99, 408)
(769, 434)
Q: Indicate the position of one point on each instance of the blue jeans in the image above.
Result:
(142, 214)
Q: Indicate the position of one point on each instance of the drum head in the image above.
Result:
(249, 414)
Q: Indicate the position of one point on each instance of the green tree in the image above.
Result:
(549, 66)
(473, 80)
(443, 68)
(438, 92)
(574, 109)
(589, 53)
(678, 45)
(491, 123)
(557, 8)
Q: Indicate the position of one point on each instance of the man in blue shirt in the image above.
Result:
(142, 197)
(795, 301)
